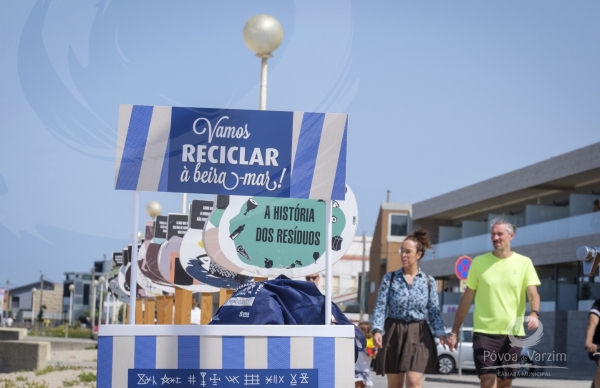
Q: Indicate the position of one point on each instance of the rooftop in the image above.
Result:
(561, 173)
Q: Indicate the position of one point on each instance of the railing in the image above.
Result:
(563, 228)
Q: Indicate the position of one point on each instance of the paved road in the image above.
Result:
(470, 380)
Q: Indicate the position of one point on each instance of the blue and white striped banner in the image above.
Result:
(234, 152)
(331, 351)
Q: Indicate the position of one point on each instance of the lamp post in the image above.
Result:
(263, 34)
(64, 315)
(101, 280)
(71, 289)
(33, 291)
(93, 310)
(114, 309)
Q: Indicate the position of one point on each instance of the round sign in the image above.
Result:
(461, 268)
(268, 236)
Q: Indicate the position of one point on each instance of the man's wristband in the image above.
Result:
(376, 331)
(536, 313)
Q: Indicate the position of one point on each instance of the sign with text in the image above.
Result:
(177, 225)
(199, 213)
(224, 378)
(231, 152)
(160, 227)
(194, 259)
(284, 236)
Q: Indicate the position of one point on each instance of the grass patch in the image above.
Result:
(32, 384)
(59, 331)
(87, 377)
(7, 384)
(28, 384)
(70, 383)
(91, 347)
(54, 368)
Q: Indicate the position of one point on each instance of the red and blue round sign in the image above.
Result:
(461, 268)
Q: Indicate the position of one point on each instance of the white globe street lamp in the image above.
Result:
(153, 209)
(33, 291)
(93, 312)
(71, 289)
(101, 280)
(263, 34)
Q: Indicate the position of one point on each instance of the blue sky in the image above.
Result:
(439, 94)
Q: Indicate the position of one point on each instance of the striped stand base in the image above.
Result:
(329, 349)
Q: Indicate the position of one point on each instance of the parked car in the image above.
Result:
(448, 360)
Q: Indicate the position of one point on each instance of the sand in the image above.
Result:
(77, 362)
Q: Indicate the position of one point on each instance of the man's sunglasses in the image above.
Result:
(309, 278)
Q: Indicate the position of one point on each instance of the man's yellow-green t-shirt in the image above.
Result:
(500, 286)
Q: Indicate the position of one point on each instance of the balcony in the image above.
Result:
(563, 228)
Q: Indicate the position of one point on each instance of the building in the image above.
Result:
(346, 277)
(23, 299)
(83, 293)
(393, 225)
(551, 203)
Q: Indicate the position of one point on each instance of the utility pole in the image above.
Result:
(361, 297)
(8, 298)
(7, 304)
(41, 291)
(93, 298)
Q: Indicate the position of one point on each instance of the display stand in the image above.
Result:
(189, 355)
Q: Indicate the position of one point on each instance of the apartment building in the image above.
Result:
(552, 204)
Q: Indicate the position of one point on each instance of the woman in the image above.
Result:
(408, 347)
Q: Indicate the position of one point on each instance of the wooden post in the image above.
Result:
(126, 312)
(149, 312)
(260, 279)
(206, 308)
(139, 317)
(164, 307)
(183, 307)
(224, 294)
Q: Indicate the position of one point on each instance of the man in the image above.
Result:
(498, 282)
(592, 339)
(313, 278)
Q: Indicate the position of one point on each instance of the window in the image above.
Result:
(15, 302)
(335, 285)
(467, 336)
(86, 294)
(398, 225)
(353, 282)
(66, 291)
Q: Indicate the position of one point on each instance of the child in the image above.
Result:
(362, 370)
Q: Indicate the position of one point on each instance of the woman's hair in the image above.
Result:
(365, 327)
(421, 238)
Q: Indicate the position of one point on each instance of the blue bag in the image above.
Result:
(281, 301)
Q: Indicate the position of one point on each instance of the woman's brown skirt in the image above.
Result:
(407, 346)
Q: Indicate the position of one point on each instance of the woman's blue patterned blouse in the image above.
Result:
(408, 302)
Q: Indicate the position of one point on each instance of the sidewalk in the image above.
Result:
(469, 380)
